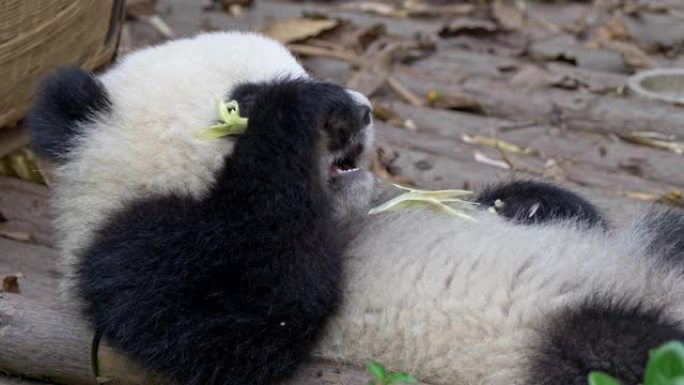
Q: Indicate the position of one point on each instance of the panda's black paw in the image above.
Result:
(529, 202)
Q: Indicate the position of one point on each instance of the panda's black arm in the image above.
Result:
(531, 203)
(233, 288)
(276, 178)
(279, 152)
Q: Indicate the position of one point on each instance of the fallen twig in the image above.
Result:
(409, 96)
(311, 50)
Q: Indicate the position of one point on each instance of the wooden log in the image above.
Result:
(43, 343)
(53, 344)
(25, 208)
(36, 265)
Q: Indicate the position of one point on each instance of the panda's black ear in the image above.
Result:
(245, 94)
(68, 97)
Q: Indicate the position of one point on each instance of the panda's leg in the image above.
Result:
(530, 202)
(66, 98)
(599, 336)
(665, 228)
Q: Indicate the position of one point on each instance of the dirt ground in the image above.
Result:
(465, 94)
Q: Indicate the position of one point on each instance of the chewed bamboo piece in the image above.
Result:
(439, 199)
(499, 144)
(231, 123)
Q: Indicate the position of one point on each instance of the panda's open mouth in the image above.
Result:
(346, 162)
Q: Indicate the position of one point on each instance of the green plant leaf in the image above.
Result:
(600, 378)
(222, 110)
(401, 378)
(665, 365)
(378, 371)
(231, 123)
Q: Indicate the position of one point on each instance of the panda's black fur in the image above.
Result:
(600, 334)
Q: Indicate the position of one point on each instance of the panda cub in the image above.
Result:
(214, 262)
(542, 293)
(222, 261)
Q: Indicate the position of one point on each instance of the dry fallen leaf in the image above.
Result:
(454, 101)
(22, 164)
(316, 51)
(355, 37)
(297, 29)
(468, 26)
(233, 7)
(160, 25)
(418, 8)
(10, 284)
(484, 159)
(508, 14)
(404, 92)
(14, 234)
(653, 139)
(408, 9)
(377, 65)
(386, 113)
(633, 56)
(378, 8)
(499, 144)
(533, 76)
(673, 197)
(613, 29)
(381, 165)
(614, 35)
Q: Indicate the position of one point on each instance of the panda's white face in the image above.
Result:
(146, 141)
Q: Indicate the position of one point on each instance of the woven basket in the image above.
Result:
(38, 35)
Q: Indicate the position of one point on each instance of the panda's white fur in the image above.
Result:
(452, 301)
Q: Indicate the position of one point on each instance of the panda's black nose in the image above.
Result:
(366, 114)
